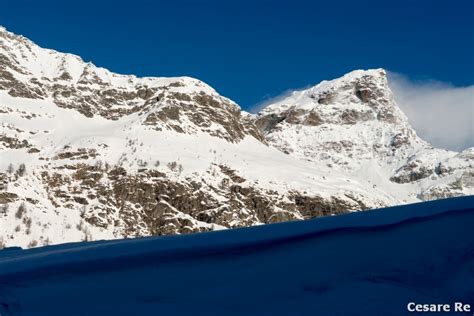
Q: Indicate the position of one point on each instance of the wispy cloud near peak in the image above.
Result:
(440, 112)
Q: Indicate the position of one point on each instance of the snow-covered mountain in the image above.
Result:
(87, 154)
(352, 124)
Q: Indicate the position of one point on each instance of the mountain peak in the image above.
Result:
(337, 120)
(358, 86)
(379, 73)
(376, 76)
(359, 96)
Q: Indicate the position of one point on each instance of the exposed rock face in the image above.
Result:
(199, 111)
(110, 199)
(87, 154)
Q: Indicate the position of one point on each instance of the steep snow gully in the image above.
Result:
(355, 264)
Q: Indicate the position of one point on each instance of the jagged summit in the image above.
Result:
(344, 122)
(360, 95)
(88, 154)
(353, 83)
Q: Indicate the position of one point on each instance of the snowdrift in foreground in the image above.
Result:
(357, 264)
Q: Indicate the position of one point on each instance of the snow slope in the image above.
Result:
(364, 263)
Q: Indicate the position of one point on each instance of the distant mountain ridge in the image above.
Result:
(87, 154)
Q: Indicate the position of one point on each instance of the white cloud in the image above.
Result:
(440, 112)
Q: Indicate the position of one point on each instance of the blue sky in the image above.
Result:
(254, 50)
